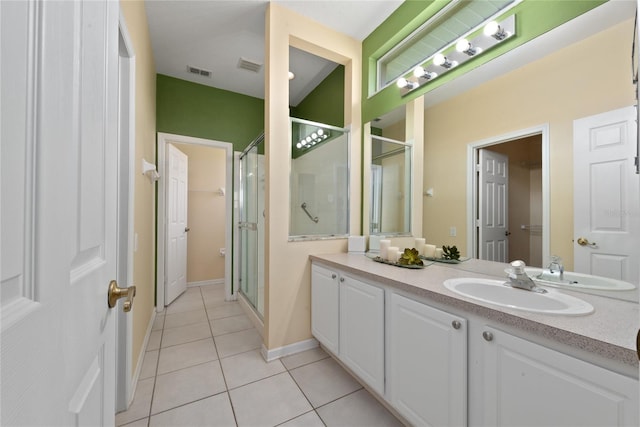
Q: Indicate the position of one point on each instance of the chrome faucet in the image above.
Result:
(556, 267)
(519, 279)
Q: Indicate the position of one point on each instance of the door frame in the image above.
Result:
(161, 242)
(125, 385)
(472, 183)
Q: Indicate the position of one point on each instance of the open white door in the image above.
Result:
(493, 218)
(177, 229)
(606, 195)
(59, 200)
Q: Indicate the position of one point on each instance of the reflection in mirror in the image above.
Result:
(390, 206)
(319, 184)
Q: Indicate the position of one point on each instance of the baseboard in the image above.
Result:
(287, 350)
(205, 283)
(145, 343)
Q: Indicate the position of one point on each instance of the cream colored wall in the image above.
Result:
(287, 267)
(584, 79)
(206, 212)
(144, 190)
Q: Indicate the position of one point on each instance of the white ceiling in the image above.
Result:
(215, 34)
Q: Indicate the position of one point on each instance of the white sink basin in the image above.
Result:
(497, 293)
(577, 280)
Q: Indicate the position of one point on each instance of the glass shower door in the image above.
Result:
(251, 227)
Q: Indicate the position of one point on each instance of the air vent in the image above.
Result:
(199, 71)
(249, 65)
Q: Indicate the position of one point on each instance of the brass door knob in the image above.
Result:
(115, 293)
(584, 242)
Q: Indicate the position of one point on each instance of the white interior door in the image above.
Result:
(606, 195)
(493, 217)
(59, 199)
(177, 229)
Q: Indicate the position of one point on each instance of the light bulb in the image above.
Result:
(439, 59)
(298, 145)
(493, 29)
(419, 72)
(308, 139)
(291, 76)
(320, 132)
(463, 45)
(402, 83)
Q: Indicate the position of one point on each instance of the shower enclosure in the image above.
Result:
(251, 224)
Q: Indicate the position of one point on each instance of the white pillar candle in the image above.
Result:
(419, 242)
(421, 249)
(384, 248)
(430, 251)
(392, 254)
(438, 253)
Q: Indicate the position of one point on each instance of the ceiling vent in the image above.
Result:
(249, 65)
(199, 71)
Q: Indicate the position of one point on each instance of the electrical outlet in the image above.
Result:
(452, 231)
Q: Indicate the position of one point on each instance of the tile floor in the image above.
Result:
(203, 367)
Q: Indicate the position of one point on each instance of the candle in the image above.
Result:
(384, 248)
(419, 242)
(438, 254)
(421, 249)
(392, 254)
(430, 251)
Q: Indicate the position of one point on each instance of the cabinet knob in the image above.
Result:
(333, 276)
(456, 324)
(488, 336)
(342, 279)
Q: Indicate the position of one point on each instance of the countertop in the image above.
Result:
(610, 331)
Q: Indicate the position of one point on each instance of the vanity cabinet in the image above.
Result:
(325, 307)
(527, 383)
(427, 363)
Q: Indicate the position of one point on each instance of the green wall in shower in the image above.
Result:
(324, 104)
(192, 109)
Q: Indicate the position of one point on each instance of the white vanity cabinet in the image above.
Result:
(325, 307)
(527, 383)
(362, 330)
(427, 363)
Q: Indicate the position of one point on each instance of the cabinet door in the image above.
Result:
(427, 351)
(362, 330)
(325, 300)
(529, 384)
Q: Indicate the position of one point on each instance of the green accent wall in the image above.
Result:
(533, 18)
(325, 104)
(192, 109)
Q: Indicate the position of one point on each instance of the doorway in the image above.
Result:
(211, 255)
(526, 206)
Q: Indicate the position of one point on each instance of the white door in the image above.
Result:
(177, 229)
(59, 199)
(606, 207)
(493, 218)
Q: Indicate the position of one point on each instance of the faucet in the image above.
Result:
(519, 279)
(555, 266)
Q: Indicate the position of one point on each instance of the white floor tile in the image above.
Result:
(237, 342)
(324, 381)
(154, 340)
(229, 308)
(184, 334)
(268, 402)
(141, 403)
(186, 302)
(230, 324)
(310, 419)
(185, 318)
(187, 385)
(140, 423)
(185, 355)
(158, 323)
(212, 411)
(357, 409)
(149, 364)
(248, 367)
(304, 358)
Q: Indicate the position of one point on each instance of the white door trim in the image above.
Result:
(125, 384)
(161, 244)
(472, 202)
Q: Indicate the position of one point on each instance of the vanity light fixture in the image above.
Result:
(315, 137)
(466, 48)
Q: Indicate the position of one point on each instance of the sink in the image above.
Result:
(497, 293)
(577, 280)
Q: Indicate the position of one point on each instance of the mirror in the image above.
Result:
(390, 205)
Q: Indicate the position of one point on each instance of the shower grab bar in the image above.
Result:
(248, 226)
(311, 217)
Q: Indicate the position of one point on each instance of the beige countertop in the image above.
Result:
(610, 331)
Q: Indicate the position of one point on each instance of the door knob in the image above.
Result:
(115, 293)
(584, 242)
(186, 230)
(507, 233)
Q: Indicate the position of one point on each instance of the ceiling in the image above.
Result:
(214, 35)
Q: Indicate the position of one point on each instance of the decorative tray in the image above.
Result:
(443, 260)
(384, 261)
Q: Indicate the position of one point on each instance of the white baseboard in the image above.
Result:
(286, 350)
(145, 343)
(205, 283)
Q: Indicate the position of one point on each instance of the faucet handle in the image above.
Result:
(518, 266)
(556, 258)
